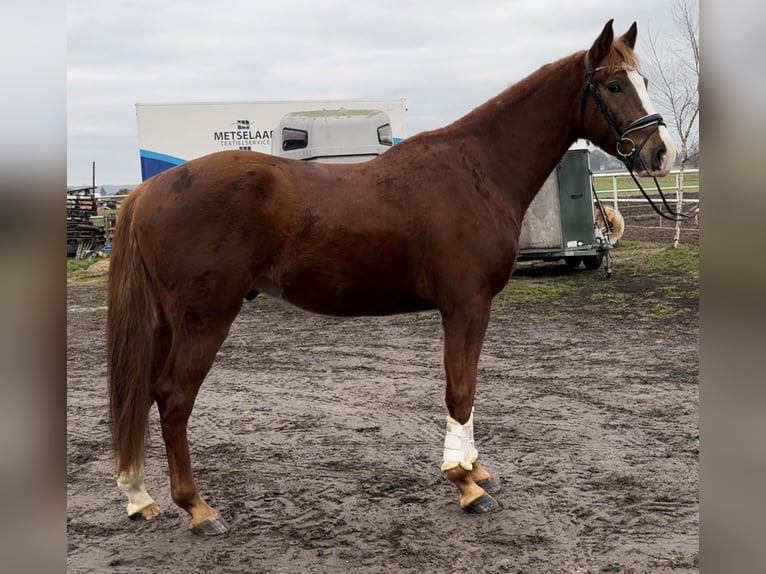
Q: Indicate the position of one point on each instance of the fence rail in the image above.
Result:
(618, 193)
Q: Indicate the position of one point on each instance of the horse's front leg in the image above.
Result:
(464, 330)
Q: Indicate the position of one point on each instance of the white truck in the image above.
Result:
(172, 133)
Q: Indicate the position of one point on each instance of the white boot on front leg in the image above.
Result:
(460, 465)
(459, 449)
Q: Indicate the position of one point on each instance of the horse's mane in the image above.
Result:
(517, 91)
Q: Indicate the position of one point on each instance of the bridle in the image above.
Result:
(626, 148)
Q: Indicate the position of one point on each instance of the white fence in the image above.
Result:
(631, 195)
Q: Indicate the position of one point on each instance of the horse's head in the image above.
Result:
(616, 112)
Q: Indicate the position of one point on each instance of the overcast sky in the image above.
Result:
(445, 58)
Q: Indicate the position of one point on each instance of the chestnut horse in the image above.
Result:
(433, 223)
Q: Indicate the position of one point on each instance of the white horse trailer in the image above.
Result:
(333, 136)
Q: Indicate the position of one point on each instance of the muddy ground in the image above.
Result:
(320, 439)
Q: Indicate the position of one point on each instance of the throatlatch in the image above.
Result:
(459, 449)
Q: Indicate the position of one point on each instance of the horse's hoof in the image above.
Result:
(482, 505)
(211, 527)
(490, 485)
(146, 513)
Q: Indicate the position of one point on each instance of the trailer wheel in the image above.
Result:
(573, 262)
(593, 261)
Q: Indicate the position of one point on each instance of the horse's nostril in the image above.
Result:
(662, 151)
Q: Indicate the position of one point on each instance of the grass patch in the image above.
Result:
(626, 187)
(650, 281)
(75, 265)
(77, 269)
(675, 270)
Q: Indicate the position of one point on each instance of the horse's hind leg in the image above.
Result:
(131, 482)
(464, 330)
(190, 360)
(140, 504)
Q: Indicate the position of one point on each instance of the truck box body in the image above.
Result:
(171, 133)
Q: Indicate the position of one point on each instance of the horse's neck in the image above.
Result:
(522, 133)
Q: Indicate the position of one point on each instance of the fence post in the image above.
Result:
(679, 204)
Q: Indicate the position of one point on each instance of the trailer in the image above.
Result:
(560, 222)
(333, 136)
(170, 134)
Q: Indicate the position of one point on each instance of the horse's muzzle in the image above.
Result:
(658, 154)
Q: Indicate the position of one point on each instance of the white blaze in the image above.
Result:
(640, 86)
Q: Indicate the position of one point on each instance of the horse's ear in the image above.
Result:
(600, 48)
(629, 37)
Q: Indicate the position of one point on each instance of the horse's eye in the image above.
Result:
(614, 87)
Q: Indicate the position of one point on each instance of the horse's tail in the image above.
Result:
(132, 319)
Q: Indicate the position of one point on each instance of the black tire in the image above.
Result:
(593, 261)
(71, 247)
(573, 262)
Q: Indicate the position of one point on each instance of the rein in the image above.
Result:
(626, 148)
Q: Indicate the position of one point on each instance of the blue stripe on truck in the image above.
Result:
(153, 163)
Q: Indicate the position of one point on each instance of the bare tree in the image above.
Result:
(675, 71)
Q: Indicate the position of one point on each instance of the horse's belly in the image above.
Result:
(340, 298)
(267, 287)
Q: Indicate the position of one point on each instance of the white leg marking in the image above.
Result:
(133, 486)
(638, 83)
(459, 449)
